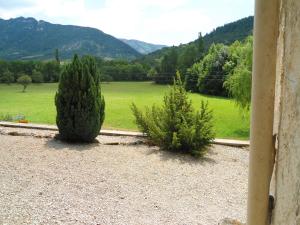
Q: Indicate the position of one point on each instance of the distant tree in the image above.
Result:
(137, 72)
(211, 71)
(7, 77)
(235, 54)
(239, 82)
(106, 78)
(37, 76)
(152, 73)
(57, 56)
(24, 80)
(200, 46)
(51, 71)
(4, 66)
(187, 58)
(168, 68)
(21, 67)
(191, 79)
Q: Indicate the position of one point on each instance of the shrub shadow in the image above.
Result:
(57, 144)
(182, 158)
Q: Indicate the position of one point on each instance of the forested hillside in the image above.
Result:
(225, 34)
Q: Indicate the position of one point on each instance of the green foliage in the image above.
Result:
(51, 71)
(79, 103)
(187, 58)
(200, 47)
(239, 82)
(191, 79)
(24, 80)
(152, 73)
(168, 68)
(37, 76)
(211, 71)
(37, 70)
(106, 78)
(121, 70)
(7, 77)
(175, 126)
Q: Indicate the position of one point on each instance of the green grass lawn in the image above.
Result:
(37, 104)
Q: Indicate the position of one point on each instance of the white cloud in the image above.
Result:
(166, 22)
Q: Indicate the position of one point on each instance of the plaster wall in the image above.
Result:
(287, 117)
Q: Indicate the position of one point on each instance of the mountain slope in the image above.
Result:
(143, 47)
(225, 34)
(27, 38)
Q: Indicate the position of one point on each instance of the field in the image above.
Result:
(37, 104)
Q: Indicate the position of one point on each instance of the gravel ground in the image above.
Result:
(45, 181)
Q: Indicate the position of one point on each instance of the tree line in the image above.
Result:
(49, 71)
(121, 70)
(39, 71)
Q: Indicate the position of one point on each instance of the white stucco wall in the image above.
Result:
(287, 117)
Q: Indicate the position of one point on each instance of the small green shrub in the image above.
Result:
(6, 117)
(24, 80)
(176, 126)
(79, 103)
(10, 118)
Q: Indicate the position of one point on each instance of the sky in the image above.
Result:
(169, 22)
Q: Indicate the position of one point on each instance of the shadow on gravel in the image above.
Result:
(56, 144)
(179, 157)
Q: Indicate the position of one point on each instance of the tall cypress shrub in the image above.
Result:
(79, 103)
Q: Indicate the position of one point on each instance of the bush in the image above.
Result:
(24, 80)
(176, 126)
(79, 103)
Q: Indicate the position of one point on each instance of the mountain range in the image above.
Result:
(143, 47)
(27, 38)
